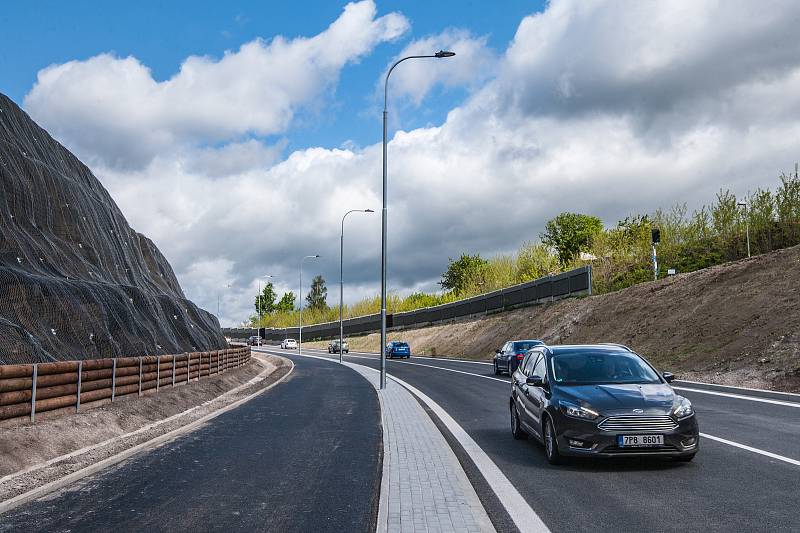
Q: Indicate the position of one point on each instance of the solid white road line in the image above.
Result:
(524, 517)
(739, 388)
(57, 484)
(751, 449)
(705, 435)
(455, 371)
(740, 396)
(377, 355)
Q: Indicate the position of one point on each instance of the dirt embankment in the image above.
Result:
(736, 324)
(26, 449)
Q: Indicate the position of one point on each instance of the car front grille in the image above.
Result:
(638, 423)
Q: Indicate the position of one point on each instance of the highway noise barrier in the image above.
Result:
(575, 282)
(69, 386)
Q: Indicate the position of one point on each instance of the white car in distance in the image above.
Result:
(288, 344)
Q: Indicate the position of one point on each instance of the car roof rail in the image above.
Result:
(618, 345)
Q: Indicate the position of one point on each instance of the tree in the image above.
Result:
(534, 261)
(265, 302)
(467, 271)
(569, 234)
(317, 296)
(286, 303)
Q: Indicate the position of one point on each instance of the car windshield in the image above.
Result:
(601, 367)
(526, 345)
(401, 344)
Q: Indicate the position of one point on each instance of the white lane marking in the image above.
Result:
(739, 388)
(445, 359)
(751, 449)
(705, 435)
(456, 371)
(524, 517)
(506, 381)
(740, 396)
(262, 375)
(57, 484)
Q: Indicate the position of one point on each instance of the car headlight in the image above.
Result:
(682, 408)
(577, 411)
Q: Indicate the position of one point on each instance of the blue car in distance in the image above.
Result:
(398, 349)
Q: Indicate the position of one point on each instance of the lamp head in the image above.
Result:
(444, 53)
(368, 211)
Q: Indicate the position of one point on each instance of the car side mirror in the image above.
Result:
(534, 381)
(668, 377)
(498, 351)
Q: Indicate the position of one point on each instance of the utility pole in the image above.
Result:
(656, 238)
(747, 223)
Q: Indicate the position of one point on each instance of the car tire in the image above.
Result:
(551, 443)
(516, 429)
(496, 369)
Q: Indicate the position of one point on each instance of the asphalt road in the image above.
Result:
(724, 489)
(303, 456)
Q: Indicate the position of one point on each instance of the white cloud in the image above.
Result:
(473, 64)
(608, 108)
(114, 112)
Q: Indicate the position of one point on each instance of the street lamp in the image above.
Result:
(341, 278)
(747, 224)
(439, 55)
(260, 314)
(300, 341)
(228, 286)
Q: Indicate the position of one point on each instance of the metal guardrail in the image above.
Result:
(549, 288)
(26, 390)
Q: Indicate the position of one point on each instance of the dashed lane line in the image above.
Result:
(704, 435)
(751, 449)
(739, 396)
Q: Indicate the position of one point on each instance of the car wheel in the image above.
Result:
(516, 429)
(551, 444)
(496, 369)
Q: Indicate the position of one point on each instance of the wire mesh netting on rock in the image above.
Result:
(76, 281)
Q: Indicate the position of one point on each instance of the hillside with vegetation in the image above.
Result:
(620, 255)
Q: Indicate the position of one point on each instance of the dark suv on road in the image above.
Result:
(509, 356)
(599, 400)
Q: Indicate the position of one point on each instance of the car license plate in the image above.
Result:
(639, 441)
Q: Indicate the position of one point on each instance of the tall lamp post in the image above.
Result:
(747, 224)
(439, 55)
(341, 278)
(260, 314)
(228, 286)
(300, 341)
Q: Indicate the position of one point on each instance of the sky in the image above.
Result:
(237, 134)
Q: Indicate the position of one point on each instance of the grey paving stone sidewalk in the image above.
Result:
(424, 486)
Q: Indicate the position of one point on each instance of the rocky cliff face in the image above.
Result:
(76, 282)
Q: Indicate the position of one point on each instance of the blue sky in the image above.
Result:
(162, 34)
(237, 165)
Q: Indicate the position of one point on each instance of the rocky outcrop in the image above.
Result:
(75, 280)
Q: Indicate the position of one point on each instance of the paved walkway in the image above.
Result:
(424, 487)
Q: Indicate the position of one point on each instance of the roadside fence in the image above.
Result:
(577, 282)
(27, 390)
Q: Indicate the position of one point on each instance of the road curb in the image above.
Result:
(57, 484)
